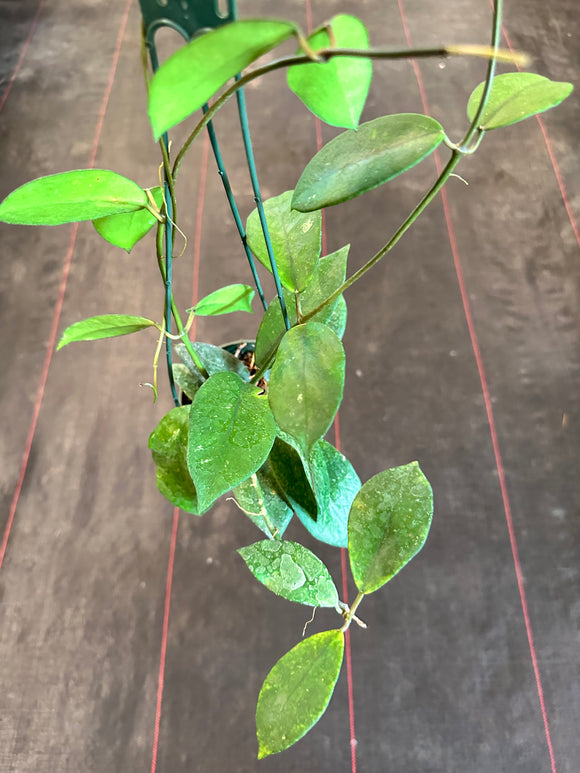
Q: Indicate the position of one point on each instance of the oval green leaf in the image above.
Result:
(296, 240)
(188, 381)
(237, 297)
(516, 96)
(389, 522)
(214, 358)
(292, 571)
(168, 444)
(188, 79)
(261, 499)
(69, 197)
(126, 229)
(230, 435)
(290, 476)
(103, 326)
(297, 691)
(336, 90)
(306, 382)
(358, 161)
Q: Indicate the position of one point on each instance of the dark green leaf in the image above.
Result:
(168, 444)
(126, 229)
(103, 326)
(84, 194)
(230, 436)
(215, 359)
(516, 96)
(292, 571)
(188, 79)
(306, 382)
(263, 502)
(188, 381)
(358, 161)
(295, 240)
(389, 522)
(236, 297)
(288, 471)
(335, 91)
(297, 691)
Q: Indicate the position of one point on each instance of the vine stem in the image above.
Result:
(350, 614)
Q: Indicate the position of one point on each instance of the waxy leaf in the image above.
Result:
(297, 691)
(188, 79)
(292, 571)
(188, 381)
(288, 471)
(515, 96)
(214, 358)
(236, 297)
(126, 229)
(263, 502)
(358, 161)
(69, 197)
(230, 435)
(103, 326)
(336, 90)
(389, 522)
(296, 240)
(337, 320)
(306, 382)
(329, 274)
(168, 444)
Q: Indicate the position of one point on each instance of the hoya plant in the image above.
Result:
(251, 418)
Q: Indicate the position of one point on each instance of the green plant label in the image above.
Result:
(297, 691)
(358, 161)
(188, 79)
(236, 297)
(231, 433)
(168, 444)
(126, 229)
(295, 237)
(388, 524)
(261, 499)
(336, 90)
(516, 96)
(69, 197)
(103, 326)
(306, 382)
(292, 571)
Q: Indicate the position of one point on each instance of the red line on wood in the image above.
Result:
(489, 411)
(23, 51)
(60, 299)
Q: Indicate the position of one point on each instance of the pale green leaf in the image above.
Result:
(187, 380)
(237, 297)
(214, 358)
(168, 444)
(262, 500)
(103, 326)
(126, 229)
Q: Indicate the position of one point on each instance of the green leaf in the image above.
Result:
(103, 326)
(214, 358)
(188, 381)
(168, 444)
(288, 471)
(236, 297)
(292, 571)
(337, 320)
(306, 382)
(230, 435)
(297, 691)
(188, 79)
(263, 502)
(329, 274)
(126, 229)
(336, 90)
(296, 240)
(516, 96)
(358, 161)
(85, 194)
(389, 522)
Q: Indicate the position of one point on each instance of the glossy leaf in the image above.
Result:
(103, 326)
(263, 502)
(288, 471)
(337, 320)
(306, 382)
(358, 161)
(69, 197)
(389, 522)
(297, 691)
(230, 436)
(126, 229)
(237, 297)
(296, 240)
(168, 444)
(214, 358)
(188, 79)
(336, 90)
(516, 96)
(329, 274)
(188, 381)
(292, 571)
